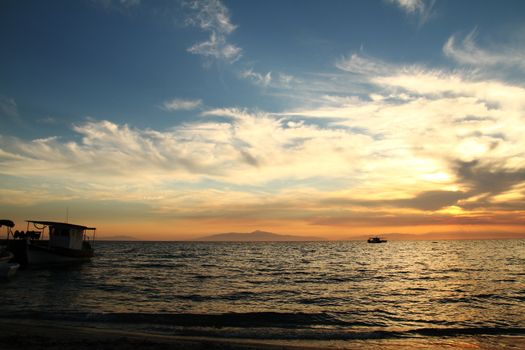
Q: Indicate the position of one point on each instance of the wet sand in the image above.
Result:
(32, 335)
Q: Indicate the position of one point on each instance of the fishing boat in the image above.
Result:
(65, 243)
(376, 240)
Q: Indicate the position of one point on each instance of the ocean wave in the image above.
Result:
(262, 325)
(232, 319)
(469, 331)
(471, 298)
(349, 334)
(270, 326)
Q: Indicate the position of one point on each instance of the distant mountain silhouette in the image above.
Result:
(116, 238)
(256, 236)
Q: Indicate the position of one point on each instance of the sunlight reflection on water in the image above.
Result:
(401, 284)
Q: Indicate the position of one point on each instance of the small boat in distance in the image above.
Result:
(65, 243)
(376, 240)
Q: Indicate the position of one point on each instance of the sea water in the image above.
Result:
(319, 291)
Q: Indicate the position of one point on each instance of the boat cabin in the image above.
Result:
(64, 235)
(376, 240)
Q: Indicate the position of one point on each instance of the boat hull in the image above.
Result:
(376, 240)
(37, 255)
(39, 252)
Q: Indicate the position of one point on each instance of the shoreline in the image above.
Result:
(35, 334)
(30, 334)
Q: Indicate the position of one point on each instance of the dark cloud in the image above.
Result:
(472, 119)
(487, 204)
(428, 200)
(487, 178)
(357, 219)
(248, 158)
(495, 135)
(485, 181)
(431, 200)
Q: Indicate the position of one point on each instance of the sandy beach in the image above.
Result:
(30, 334)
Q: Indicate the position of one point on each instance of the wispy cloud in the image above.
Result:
(409, 6)
(468, 52)
(286, 80)
(420, 8)
(360, 64)
(257, 78)
(276, 80)
(178, 104)
(213, 17)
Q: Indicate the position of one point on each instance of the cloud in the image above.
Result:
(431, 200)
(285, 80)
(468, 52)
(420, 81)
(427, 201)
(178, 168)
(385, 159)
(409, 6)
(234, 113)
(360, 64)
(386, 219)
(213, 17)
(210, 16)
(257, 78)
(391, 146)
(276, 80)
(442, 138)
(178, 104)
(410, 145)
(217, 47)
(420, 8)
(490, 179)
(224, 151)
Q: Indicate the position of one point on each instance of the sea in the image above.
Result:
(323, 293)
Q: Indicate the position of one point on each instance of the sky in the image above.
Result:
(176, 119)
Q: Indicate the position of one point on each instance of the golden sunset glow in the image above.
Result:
(367, 143)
